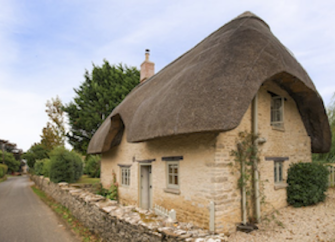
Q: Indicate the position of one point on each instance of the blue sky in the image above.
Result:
(45, 46)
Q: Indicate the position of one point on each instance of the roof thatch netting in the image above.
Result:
(210, 87)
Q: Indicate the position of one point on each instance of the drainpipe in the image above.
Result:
(244, 196)
(255, 165)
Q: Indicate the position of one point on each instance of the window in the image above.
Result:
(125, 176)
(277, 112)
(278, 171)
(173, 174)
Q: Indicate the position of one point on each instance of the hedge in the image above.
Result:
(42, 167)
(92, 166)
(3, 170)
(66, 166)
(307, 184)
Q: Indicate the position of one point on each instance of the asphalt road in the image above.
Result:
(25, 218)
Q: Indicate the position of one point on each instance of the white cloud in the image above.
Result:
(21, 117)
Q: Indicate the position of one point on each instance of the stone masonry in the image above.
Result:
(114, 222)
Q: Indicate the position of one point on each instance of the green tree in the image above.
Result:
(92, 165)
(66, 166)
(10, 161)
(5, 145)
(53, 134)
(103, 89)
(330, 156)
(36, 152)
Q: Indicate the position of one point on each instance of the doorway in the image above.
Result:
(145, 186)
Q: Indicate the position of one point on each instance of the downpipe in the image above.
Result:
(255, 164)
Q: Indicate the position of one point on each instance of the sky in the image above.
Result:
(46, 45)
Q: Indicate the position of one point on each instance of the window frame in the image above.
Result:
(278, 184)
(278, 171)
(277, 122)
(173, 174)
(125, 176)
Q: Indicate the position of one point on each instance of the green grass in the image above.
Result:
(66, 215)
(3, 179)
(88, 180)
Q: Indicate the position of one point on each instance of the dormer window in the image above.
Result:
(277, 112)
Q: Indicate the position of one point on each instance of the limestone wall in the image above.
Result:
(292, 142)
(195, 173)
(113, 222)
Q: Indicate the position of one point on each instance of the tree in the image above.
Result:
(53, 134)
(92, 165)
(6, 146)
(330, 156)
(103, 89)
(65, 166)
(10, 161)
(36, 152)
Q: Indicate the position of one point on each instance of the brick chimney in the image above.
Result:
(147, 68)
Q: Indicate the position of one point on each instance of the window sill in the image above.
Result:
(282, 129)
(280, 186)
(173, 191)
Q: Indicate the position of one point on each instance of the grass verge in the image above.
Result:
(88, 180)
(3, 179)
(66, 215)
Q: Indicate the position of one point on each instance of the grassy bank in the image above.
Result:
(3, 179)
(66, 215)
(88, 180)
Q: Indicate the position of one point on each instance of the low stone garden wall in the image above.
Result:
(113, 222)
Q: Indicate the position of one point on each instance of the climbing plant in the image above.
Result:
(245, 154)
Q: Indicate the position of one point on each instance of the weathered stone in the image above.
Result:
(114, 222)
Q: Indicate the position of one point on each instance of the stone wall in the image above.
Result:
(292, 141)
(191, 201)
(113, 222)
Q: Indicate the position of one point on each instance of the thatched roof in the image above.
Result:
(209, 88)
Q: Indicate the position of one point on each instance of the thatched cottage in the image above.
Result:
(169, 141)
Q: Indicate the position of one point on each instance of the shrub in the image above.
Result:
(46, 167)
(38, 168)
(10, 161)
(66, 166)
(36, 152)
(42, 167)
(92, 166)
(307, 183)
(3, 170)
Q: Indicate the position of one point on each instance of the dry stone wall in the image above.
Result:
(113, 222)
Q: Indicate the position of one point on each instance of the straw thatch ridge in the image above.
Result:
(210, 87)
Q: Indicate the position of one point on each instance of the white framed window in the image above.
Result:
(278, 172)
(277, 112)
(172, 174)
(125, 176)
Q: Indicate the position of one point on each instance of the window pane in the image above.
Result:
(277, 111)
(170, 179)
(275, 171)
(176, 180)
(175, 169)
(280, 171)
(170, 168)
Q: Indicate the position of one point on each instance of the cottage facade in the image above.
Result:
(169, 141)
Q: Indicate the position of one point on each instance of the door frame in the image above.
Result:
(140, 185)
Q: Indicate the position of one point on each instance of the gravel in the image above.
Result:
(313, 223)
